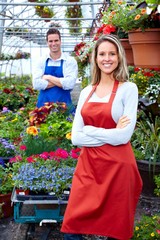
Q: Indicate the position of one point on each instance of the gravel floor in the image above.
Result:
(9, 230)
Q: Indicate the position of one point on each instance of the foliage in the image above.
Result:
(146, 139)
(15, 96)
(129, 16)
(146, 78)
(48, 171)
(157, 182)
(18, 55)
(6, 182)
(147, 228)
(12, 124)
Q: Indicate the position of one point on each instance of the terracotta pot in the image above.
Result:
(128, 50)
(146, 47)
(7, 209)
(147, 173)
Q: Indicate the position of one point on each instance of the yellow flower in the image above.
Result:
(68, 136)
(152, 234)
(14, 120)
(136, 228)
(32, 130)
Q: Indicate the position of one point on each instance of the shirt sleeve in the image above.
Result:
(70, 72)
(117, 136)
(79, 138)
(38, 72)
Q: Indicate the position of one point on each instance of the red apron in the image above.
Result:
(106, 185)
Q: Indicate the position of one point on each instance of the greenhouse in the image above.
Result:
(79, 119)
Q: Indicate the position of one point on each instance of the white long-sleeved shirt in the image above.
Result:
(125, 103)
(70, 72)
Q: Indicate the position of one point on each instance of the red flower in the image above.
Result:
(108, 29)
(23, 148)
(30, 159)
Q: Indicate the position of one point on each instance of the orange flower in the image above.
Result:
(120, 2)
(32, 130)
(137, 17)
(143, 11)
(113, 12)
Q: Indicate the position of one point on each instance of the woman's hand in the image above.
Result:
(123, 122)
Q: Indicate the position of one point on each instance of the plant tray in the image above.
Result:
(35, 208)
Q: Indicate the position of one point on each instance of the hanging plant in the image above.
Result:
(74, 11)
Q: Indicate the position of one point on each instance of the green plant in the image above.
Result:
(157, 182)
(12, 124)
(147, 228)
(128, 16)
(6, 182)
(146, 140)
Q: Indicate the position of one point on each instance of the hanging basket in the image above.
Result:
(146, 47)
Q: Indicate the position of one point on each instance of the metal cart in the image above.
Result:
(38, 209)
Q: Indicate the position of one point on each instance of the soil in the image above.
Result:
(9, 230)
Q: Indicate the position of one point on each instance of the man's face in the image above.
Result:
(54, 43)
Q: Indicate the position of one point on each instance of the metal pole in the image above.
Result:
(2, 21)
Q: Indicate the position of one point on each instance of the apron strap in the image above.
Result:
(113, 94)
(92, 91)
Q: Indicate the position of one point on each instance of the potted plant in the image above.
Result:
(74, 11)
(45, 173)
(6, 187)
(146, 137)
(135, 19)
(47, 12)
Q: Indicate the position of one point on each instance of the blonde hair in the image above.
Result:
(121, 72)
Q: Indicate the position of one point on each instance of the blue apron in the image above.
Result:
(54, 94)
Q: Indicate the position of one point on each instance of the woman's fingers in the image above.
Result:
(123, 122)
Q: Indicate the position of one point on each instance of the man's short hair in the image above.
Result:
(53, 31)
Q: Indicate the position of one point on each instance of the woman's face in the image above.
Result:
(107, 57)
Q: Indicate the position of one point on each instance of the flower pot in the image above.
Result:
(147, 173)
(128, 51)
(146, 47)
(7, 209)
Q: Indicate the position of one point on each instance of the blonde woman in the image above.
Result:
(106, 185)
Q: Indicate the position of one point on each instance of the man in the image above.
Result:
(55, 74)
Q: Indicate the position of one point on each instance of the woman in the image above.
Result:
(106, 184)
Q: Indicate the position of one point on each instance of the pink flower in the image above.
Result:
(158, 231)
(61, 153)
(44, 155)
